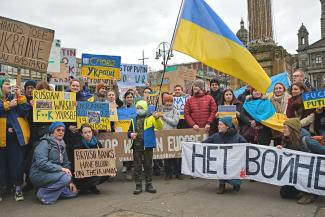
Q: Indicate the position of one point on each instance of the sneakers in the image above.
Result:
(128, 176)
(138, 189)
(150, 188)
(19, 196)
(221, 189)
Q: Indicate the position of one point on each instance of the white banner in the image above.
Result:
(68, 57)
(266, 164)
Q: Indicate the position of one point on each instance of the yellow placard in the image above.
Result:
(122, 126)
(103, 125)
(51, 106)
(311, 104)
(100, 72)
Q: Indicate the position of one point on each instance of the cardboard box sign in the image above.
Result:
(94, 162)
(24, 46)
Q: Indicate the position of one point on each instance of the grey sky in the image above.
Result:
(126, 27)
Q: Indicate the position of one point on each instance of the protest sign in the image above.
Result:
(62, 77)
(122, 126)
(51, 106)
(302, 170)
(151, 99)
(113, 111)
(94, 162)
(179, 104)
(55, 57)
(100, 66)
(133, 75)
(227, 110)
(68, 58)
(314, 99)
(95, 114)
(24, 45)
(168, 142)
(126, 113)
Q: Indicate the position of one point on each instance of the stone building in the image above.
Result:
(311, 57)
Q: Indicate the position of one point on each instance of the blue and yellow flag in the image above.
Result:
(203, 35)
(264, 112)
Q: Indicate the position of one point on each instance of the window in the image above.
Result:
(318, 60)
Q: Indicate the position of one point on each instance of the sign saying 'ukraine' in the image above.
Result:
(100, 66)
(314, 99)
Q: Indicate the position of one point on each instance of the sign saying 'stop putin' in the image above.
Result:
(24, 45)
(101, 66)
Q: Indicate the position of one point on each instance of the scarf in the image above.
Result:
(89, 144)
(280, 103)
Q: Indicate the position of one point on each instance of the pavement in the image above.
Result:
(187, 197)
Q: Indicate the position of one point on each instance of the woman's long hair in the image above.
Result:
(233, 96)
(297, 102)
(293, 140)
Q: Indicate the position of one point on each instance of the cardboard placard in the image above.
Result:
(95, 114)
(68, 58)
(52, 106)
(24, 45)
(168, 142)
(94, 162)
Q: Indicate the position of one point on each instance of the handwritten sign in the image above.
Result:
(93, 113)
(227, 110)
(55, 57)
(122, 126)
(68, 58)
(51, 106)
(24, 45)
(94, 162)
(133, 75)
(314, 99)
(168, 143)
(100, 66)
(179, 104)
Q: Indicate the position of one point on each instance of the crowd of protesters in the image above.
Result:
(44, 160)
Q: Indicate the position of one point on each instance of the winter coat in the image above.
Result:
(217, 96)
(170, 119)
(150, 125)
(200, 110)
(308, 144)
(320, 121)
(280, 103)
(230, 137)
(14, 118)
(46, 167)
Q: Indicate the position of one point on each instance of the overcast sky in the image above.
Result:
(126, 27)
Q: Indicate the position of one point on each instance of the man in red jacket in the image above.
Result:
(200, 109)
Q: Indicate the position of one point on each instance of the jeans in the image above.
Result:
(233, 182)
(147, 155)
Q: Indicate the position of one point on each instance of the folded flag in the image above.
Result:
(264, 112)
(203, 35)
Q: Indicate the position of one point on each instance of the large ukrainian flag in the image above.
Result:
(202, 35)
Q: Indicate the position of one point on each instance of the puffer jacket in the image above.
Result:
(230, 137)
(46, 167)
(200, 110)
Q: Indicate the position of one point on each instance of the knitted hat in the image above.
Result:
(143, 104)
(294, 124)
(99, 86)
(227, 121)
(168, 98)
(55, 125)
(30, 83)
(199, 83)
(214, 80)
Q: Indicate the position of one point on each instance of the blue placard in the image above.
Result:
(227, 108)
(100, 60)
(314, 99)
(125, 113)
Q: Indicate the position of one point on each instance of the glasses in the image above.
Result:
(59, 130)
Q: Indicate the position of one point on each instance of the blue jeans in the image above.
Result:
(11, 162)
(51, 193)
(233, 182)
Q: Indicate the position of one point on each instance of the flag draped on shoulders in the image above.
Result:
(203, 35)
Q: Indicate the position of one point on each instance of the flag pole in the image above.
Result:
(169, 53)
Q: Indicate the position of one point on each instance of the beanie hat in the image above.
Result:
(143, 104)
(199, 83)
(214, 80)
(99, 86)
(3, 80)
(168, 98)
(227, 121)
(30, 83)
(294, 124)
(55, 125)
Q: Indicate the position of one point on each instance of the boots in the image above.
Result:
(221, 189)
(236, 188)
(150, 188)
(307, 198)
(138, 189)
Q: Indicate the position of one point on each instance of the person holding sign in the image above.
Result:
(227, 134)
(298, 138)
(142, 132)
(170, 118)
(14, 135)
(88, 141)
(296, 108)
(50, 172)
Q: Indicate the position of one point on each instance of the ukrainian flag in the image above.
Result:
(202, 35)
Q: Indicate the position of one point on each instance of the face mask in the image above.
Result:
(141, 112)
